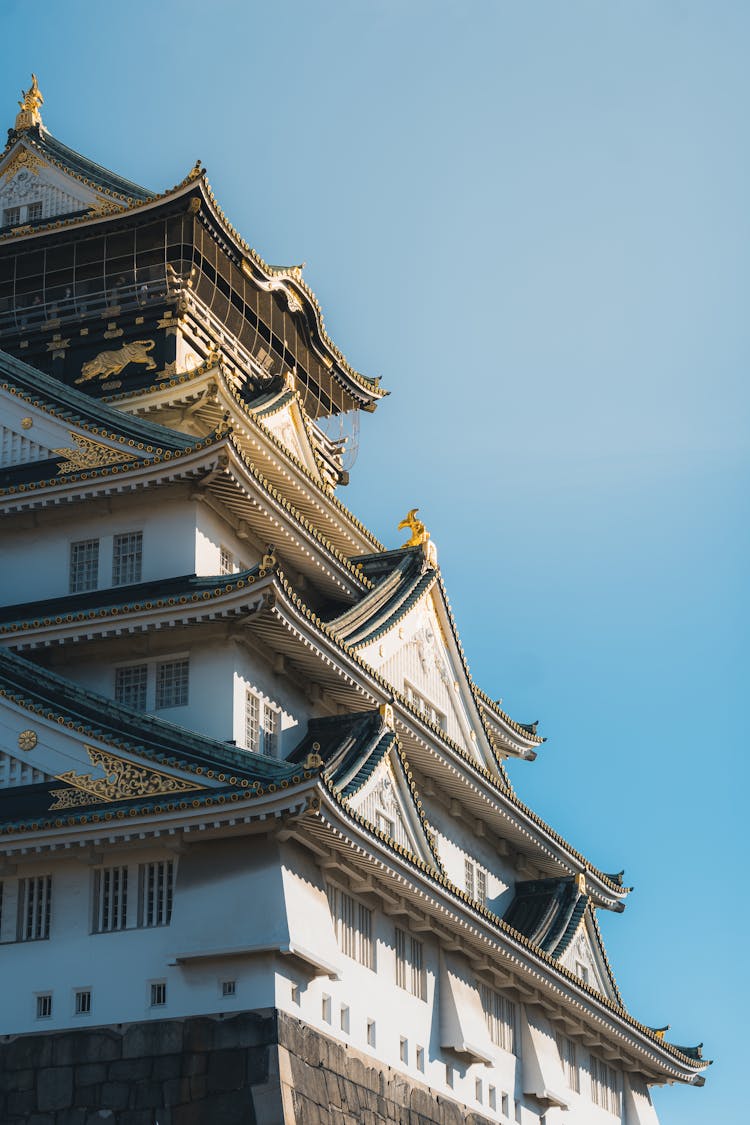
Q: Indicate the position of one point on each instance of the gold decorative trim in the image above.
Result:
(24, 158)
(419, 533)
(89, 454)
(29, 106)
(27, 740)
(112, 362)
(123, 779)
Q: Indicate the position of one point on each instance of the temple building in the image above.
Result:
(260, 857)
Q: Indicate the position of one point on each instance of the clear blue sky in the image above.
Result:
(532, 220)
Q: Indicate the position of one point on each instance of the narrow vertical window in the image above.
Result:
(344, 1018)
(84, 565)
(155, 893)
(500, 1017)
(44, 1005)
(482, 886)
(353, 924)
(127, 558)
(270, 730)
(410, 971)
(83, 1002)
(252, 721)
(110, 899)
(371, 1033)
(403, 1050)
(158, 993)
(226, 561)
(469, 877)
(34, 908)
(420, 1059)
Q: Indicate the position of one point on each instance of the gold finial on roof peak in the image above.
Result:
(419, 533)
(29, 106)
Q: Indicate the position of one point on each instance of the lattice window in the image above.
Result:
(353, 924)
(127, 558)
(410, 970)
(500, 1017)
(172, 683)
(262, 725)
(158, 993)
(11, 216)
(84, 565)
(155, 893)
(475, 878)
(44, 1005)
(110, 900)
(130, 686)
(33, 211)
(423, 705)
(226, 561)
(34, 908)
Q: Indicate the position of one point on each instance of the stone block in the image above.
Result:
(228, 1108)
(149, 1039)
(176, 1091)
(88, 1096)
(166, 1066)
(16, 1080)
(41, 1119)
(148, 1095)
(115, 1095)
(21, 1102)
(194, 1063)
(80, 1047)
(129, 1070)
(257, 1063)
(29, 1051)
(88, 1074)
(198, 1086)
(245, 1030)
(199, 1035)
(226, 1070)
(101, 1117)
(55, 1088)
(72, 1116)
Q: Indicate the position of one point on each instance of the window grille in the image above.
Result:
(226, 561)
(127, 558)
(353, 924)
(172, 684)
(500, 1017)
(44, 1006)
(424, 706)
(110, 899)
(155, 893)
(84, 565)
(410, 971)
(83, 1002)
(229, 988)
(158, 994)
(385, 823)
(33, 211)
(582, 972)
(469, 874)
(567, 1049)
(262, 723)
(11, 216)
(34, 908)
(130, 686)
(605, 1086)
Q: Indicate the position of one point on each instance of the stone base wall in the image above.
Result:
(257, 1068)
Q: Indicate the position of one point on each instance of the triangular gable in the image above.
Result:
(585, 958)
(286, 421)
(386, 802)
(417, 653)
(38, 187)
(29, 433)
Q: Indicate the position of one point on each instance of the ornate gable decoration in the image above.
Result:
(89, 454)
(123, 780)
(382, 802)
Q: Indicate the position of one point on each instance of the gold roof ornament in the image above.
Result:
(419, 533)
(32, 100)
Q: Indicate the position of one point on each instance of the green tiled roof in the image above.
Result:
(79, 165)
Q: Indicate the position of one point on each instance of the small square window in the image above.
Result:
(326, 1009)
(158, 993)
(44, 1005)
(229, 988)
(344, 1019)
(505, 1104)
(492, 1097)
(11, 216)
(33, 211)
(420, 1059)
(403, 1050)
(83, 1002)
(478, 1093)
(449, 1075)
(130, 686)
(371, 1033)
(295, 994)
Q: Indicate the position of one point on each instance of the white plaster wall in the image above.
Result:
(211, 534)
(252, 671)
(457, 841)
(119, 968)
(35, 560)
